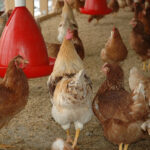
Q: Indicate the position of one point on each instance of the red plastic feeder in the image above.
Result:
(95, 7)
(21, 36)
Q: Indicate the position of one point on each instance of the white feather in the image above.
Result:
(58, 145)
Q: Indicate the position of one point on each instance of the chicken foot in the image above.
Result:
(76, 138)
(121, 146)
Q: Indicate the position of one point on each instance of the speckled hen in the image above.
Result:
(70, 89)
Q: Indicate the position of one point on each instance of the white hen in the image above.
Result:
(70, 89)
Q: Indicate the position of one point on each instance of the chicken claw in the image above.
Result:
(76, 138)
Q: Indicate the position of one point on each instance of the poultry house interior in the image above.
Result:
(34, 128)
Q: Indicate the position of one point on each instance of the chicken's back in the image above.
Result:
(72, 101)
(113, 110)
(116, 100)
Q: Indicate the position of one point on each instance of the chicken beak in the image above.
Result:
(26, 61)
(132, 23)
(105, 70)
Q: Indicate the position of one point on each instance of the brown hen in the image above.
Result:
(140, 41)
(115, 50)
(14, 91)
(121, 113)
(142, 13)
(113, 4)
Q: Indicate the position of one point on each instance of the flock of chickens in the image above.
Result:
(124, 116)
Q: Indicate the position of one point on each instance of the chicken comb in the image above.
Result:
(105, 65)
(114, 28)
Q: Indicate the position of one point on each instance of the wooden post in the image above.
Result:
(44, 7)
(30, 6)
(9, 4)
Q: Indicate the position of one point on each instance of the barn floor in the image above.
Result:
(34, 128)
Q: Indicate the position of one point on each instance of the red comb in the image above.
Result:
(114, 28)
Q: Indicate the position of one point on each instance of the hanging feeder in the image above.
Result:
(95, 7)
(21, 36)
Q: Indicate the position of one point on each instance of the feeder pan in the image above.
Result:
(95, 7)
(22, 36)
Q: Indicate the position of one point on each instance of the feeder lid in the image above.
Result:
(21, 36)
(20, 3)
(95, 7)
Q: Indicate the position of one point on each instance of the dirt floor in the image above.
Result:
(34, 128)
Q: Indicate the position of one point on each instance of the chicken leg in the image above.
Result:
(126, 146)
(120, 146)
(76, 138)
(144, 66)
(149, 66)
